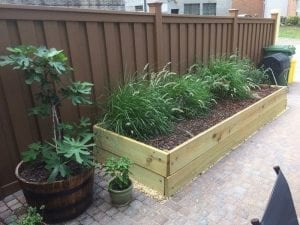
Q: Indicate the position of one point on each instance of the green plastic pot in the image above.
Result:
(120, 197)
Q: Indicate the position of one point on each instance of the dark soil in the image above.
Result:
(188, 128)
(36, 172)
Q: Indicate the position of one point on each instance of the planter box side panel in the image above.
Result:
(141, 154)
(188, 151)
(264, 114)
(138, 173)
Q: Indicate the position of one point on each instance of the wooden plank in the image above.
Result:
(97, 61)
(140, 46)
(138, 173)
(113, 56)
(240, 39)
(189, 150)
(253, 42)
(224, 39)
(206, 40)
(71, 14)
(219, 40)
(150, 46)
(260, 50)
(208, 158)
(166, 45)
(78, 45)
(144, 155)
(183, 47)
(174, 47)
(199, 43)
(212, 42)
(191, 44)
(183, 19)
(229, 39)
(127, 49)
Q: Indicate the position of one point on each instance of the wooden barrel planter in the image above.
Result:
(64, 199)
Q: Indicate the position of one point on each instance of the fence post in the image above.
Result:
(234, 44)
(158, 33)
(275, 16)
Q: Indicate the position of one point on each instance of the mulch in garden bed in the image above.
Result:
(188, 128)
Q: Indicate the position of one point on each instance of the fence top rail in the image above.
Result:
(255, 20)
(196, 19)
(24, 12)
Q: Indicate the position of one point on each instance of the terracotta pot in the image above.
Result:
(64, 199)
(120, 197)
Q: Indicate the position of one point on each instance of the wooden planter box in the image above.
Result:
(167, 171)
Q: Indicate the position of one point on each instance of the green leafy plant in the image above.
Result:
(292, 20)
(71, 143)
(118, 169)
(32, 217)
(226, 77)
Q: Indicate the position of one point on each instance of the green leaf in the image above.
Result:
(41, 110)
(79, 92)
(32, 152)
(75, 149)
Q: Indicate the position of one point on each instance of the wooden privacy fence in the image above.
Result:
(106, 48)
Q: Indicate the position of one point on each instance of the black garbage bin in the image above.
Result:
(277, 66)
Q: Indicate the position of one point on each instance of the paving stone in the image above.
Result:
(3, 208)
(16, 206)
(6, 214)
(104, 207)
(12, 202)
(112, 211)
(8, 198)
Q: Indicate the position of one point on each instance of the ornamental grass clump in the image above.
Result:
(138, 110)
(227, 77)
(189, 95)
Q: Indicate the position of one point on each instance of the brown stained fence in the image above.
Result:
(107, 48)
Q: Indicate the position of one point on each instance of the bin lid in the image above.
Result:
(287, 49)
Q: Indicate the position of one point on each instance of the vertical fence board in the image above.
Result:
(150, 46)
(97, 59)
(113, 59)
(183, 47)
(140, 46)
(174, 43)
(80, 58)
(205, 43)
(199, 42)
(212, 43)
(127, 48)
(224, 39)
(191, 44)
(166, 44)
(219, 40)
(229, 40)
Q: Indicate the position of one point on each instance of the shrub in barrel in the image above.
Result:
(58, 172)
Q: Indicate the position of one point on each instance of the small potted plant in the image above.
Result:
(58, 172)
(120, 185)
(31, 217)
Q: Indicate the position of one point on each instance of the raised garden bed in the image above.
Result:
(166, 171)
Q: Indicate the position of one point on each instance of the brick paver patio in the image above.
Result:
(232, 192)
